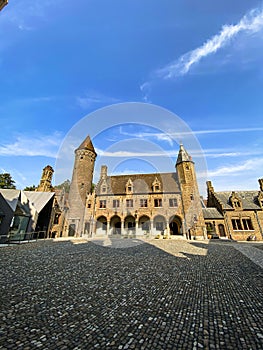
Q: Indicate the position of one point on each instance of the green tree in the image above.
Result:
(65, 185)
(6, 181)
(30, 188)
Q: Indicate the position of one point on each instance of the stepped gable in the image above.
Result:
(248, 198)
(142, 183)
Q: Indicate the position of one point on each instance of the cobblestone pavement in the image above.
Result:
(154, 295)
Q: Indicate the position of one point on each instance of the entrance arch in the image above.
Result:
(159, 224)
(129, 224)
(144, 224)
(115, 225)
(175, 225)
(101, 225)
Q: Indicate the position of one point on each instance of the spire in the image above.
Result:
(183, 156)
(87, 145)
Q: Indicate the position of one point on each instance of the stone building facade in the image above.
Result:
(235, 214)
(133, 205)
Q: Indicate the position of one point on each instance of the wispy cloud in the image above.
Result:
(250, 23)
(92, 98)
(196, 153)
(37, 145)
(25, 13)
(232, 169)
(175, 135)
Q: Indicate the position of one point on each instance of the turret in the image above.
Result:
(45, 181)
(81, 185)
(190, 194)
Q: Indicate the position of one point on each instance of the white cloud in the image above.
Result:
(250, 23)
(95, 98)
(37, 145)
(236, 169)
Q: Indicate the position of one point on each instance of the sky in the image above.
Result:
(175, 72)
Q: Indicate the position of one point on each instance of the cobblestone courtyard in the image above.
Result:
(153, 295)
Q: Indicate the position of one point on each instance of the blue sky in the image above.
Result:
(61, 61)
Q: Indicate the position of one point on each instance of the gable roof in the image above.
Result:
(142, 183)
(11, 197)
(39, 199)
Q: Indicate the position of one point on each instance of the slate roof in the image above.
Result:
(183, 156)
(142, 183)
(87, 145)
(248, 198)
(212, 213)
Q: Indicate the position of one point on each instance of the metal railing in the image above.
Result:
(22, 237)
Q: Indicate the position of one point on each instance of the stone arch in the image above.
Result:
(175, 225)
(144, 224)
(159, 223)
(115, 225)
(101, 225)
(129, 224)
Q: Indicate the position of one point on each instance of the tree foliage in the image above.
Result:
(30, 188)
(65, 185)
(6, 181)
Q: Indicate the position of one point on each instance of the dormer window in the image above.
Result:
(235, 201)
(156, 185)
(103, 190)
(129, 186)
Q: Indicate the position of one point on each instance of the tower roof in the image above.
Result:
(183, 156)
(87, 145)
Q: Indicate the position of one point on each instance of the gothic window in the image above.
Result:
(158, 202)
(173, 202)
(143, 203)
(116, 203)
(129, 203)
(103, 204)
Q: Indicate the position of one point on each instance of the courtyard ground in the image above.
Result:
(129, 294)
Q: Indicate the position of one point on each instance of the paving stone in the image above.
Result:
(144, 295)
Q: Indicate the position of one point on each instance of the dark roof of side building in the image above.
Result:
(249, 199)
(142, 183)
(212, 213)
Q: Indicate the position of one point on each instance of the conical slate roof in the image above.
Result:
(183, 156)
(87, 145)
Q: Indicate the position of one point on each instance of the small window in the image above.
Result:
(192, 197)
(116, 203)
(103, 189)
(158, 202)
(129, 203)
(102, 204)
(143, 203)
(173, 202)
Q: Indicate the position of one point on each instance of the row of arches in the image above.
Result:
(139, 226)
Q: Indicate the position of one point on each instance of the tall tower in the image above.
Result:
(46, 178)
(194, 220)
(81, 186)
